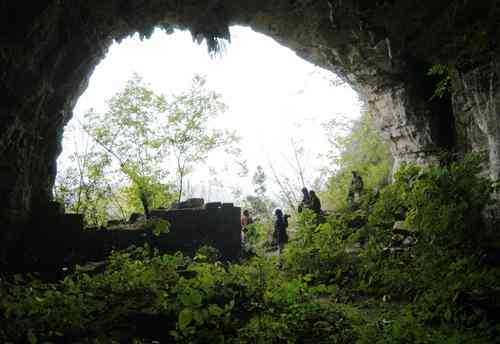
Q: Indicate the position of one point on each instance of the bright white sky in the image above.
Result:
(272, 96)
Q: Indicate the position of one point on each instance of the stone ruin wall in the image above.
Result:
(62, 241)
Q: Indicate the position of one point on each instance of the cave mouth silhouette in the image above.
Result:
(264, 93)
(382, 49)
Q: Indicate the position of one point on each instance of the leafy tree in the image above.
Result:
(290, 181)
(83, 187)
(143, 132)
(259, 181)
(128, 133)
(258, 234)
(187, 133)
(357, 146)
(259, 204)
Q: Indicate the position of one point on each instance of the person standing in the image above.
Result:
(315, 203)
(245, 220)
(280, 226)
(306, 200)
(355, 190)
(316, 207)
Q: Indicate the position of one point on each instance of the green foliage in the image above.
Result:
(318, 251)
(83, 187)
(359, 148)
(446, 203)
(258, 238)
(256, 233)
(186, 130)
(442, 73)
(260, 205)
(300, 323)
(128, 133)
(402, 326)
(207, 254)
(339, 281)
(158, 226)
(259, 181)
(139, 134)
(157, 193)
(260, 208)
(443, 205)
(84, 305)
(200, 302)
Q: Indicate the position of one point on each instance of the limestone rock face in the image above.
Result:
(382, 48)
(476, 105)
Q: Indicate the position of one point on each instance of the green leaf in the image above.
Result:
(32, 337)
(198, 317)
(215, 310)
(447, 314)
(191, 297)
(185, 318)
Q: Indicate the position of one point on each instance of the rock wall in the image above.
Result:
(192, 228)
(382, 48)
(59, 240)
(476, 100)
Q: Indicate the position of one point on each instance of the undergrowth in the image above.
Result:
(341, 281)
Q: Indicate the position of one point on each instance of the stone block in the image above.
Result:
(112, 223)
(213, 205)
(195, 202)
(159, 213)
(215, 225)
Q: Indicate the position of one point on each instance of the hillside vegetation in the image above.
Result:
(412, 261)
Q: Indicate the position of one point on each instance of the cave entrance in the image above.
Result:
(51, 48)
(277, 103)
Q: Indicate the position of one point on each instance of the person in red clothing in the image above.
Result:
(246, 219)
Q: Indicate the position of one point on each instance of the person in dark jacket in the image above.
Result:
(280, 226)
(306, 200)
(316, 207)
(315, 203)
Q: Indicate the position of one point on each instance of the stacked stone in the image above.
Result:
(215, 224)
